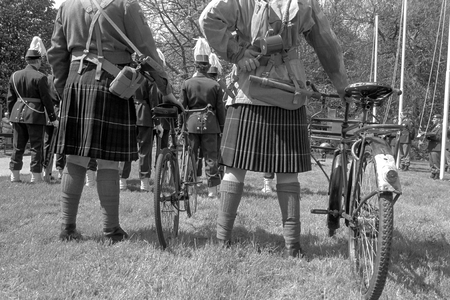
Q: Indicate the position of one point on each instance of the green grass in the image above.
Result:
(34, 264)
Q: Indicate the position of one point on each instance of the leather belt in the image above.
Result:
(106, 64)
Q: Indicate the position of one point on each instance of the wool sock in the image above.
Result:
(230, 197)
(72, 184)
(289, 200)
(109, 193)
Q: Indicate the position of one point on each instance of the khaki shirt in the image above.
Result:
(251, 19)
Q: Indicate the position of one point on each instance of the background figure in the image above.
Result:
(106, 120)
(259, 135)
(199, 92)
(404, 142)
(434, 145)
(146, 97)
(49, 131)
(90, 172)
(28, 100)
(268, 179)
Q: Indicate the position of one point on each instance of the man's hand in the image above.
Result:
(249, 62)
(170, 98)
(55, 123)
(159, 130)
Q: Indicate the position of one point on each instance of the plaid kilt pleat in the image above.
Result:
(266, 139)
(95, 123)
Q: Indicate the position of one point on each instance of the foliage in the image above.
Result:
(19, 22)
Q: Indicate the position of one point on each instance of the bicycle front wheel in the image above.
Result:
(189, 173)
(370, 234)
(166, 192)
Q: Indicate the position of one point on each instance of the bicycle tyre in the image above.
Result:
(165, 197)
(370, 236)
(335, 196)
(189, 173)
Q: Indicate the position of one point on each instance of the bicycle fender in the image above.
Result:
(387, 175)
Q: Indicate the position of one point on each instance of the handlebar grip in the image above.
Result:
(397, 91)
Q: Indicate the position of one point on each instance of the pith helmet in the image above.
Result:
(36, 50)
(202, 51)
(216, 67)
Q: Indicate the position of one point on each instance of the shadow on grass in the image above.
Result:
(412, 262)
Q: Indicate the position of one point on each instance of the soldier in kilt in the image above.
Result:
(96, 123)
(263, 132)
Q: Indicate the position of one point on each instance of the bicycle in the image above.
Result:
(175, 187)
(364, 194)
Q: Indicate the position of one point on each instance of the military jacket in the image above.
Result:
(29, 97)
(71, 32)
(196, 93)
(407, 134)
(435, 138)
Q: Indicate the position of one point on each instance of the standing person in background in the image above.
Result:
(96, 123)
(200, 92)
(90, 172)
(405, 140)
(266, 129)
(146, 97)
(28, 99)
(434, 145)
(49, 130)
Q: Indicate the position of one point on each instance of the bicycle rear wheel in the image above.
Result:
(189, 184)
(166, 192)
(370, 235)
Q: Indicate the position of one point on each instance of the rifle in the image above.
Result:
(283, 86)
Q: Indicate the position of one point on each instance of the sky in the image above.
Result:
(58, 3)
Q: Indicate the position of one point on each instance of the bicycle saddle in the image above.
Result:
(165, 110)
(371, 90)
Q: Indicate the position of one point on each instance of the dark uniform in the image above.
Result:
(434, 146)
(145, 99)
(404, 142)
(204, 127)
(28, 99)
(49, 129)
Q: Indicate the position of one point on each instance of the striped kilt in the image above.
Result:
(266, 139)
(95, 123)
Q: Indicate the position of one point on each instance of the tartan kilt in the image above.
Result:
(266, 139)
(95, 123)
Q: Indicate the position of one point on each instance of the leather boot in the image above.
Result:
(69, 233)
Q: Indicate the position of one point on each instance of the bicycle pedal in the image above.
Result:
(319, 211)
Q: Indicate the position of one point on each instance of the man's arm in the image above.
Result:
(325, 43)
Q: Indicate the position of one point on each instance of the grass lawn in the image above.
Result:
(34, 264)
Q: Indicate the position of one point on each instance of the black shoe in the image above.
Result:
(293, 250)
(69, 233)
(406, 168)
(402, 167)
(115, 235)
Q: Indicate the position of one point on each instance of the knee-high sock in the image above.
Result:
(109, 192)
(230, 197)
(289, 200)
(72, 183)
